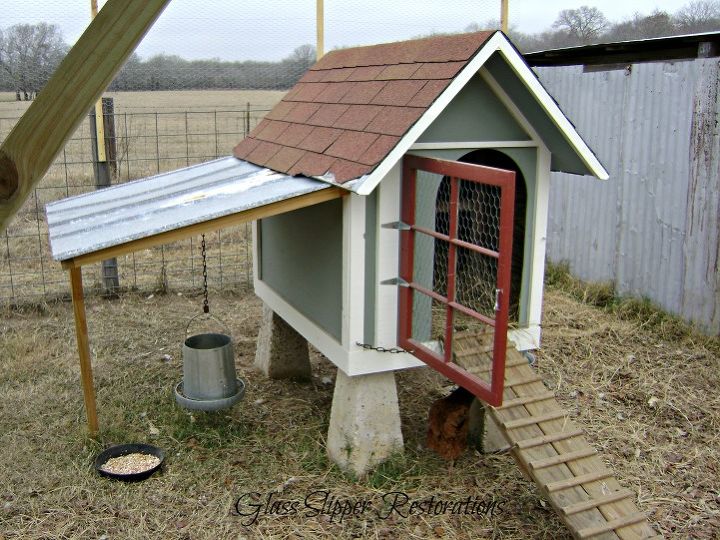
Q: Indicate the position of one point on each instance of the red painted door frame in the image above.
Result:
(457, 171)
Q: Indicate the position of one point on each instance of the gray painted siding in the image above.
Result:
(653, 229)
(301, 259)
(475, 114)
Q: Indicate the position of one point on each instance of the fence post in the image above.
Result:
(247, 119)
(104, 170)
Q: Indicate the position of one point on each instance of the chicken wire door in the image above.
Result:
(455, 263)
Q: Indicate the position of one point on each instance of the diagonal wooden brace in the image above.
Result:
(89, 67)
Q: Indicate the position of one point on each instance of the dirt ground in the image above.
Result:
(645, 392)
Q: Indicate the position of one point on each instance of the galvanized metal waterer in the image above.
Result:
(209, 380)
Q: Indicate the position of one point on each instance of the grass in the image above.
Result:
(168, 101)
(628, 308)
(606, 366)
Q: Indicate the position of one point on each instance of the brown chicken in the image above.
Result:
(448, 424)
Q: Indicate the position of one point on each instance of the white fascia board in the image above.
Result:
(453, 89)
(551, 108)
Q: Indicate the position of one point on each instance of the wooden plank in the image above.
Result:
(551, 474)
(527, 379)
(83, 343)
(594, 503)
(561, 458)
(546, 439)
(522, 422)
(182, 233)
(487, 369)
(578, 480)
(624, 521)
(567, 489)
(580, 467)
(543, 476)
(473, 351)
(28, 151)
(524, 400)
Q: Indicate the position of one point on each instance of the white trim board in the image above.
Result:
(320, 339)
(356, 361)
(525, 339)
(472, 144)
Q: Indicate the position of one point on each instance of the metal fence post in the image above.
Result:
(104, 170)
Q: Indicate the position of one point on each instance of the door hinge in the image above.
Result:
(400, 282)
(398, 225)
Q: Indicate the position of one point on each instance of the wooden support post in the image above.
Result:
(320, 29)
(104, 155)
(504, 24)
(83, 341)
(77, 83)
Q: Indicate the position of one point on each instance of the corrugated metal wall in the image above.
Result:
(653, 229)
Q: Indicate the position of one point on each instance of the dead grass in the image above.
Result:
(605, 368)
(177, 100)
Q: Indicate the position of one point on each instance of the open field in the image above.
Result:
(154, 132)
(177, 101)
(644, 387)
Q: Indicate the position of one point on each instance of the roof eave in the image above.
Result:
(497, 43)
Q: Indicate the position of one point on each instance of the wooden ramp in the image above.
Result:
(553, 451)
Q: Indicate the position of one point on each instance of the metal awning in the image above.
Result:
(118, 218)
(161, 209)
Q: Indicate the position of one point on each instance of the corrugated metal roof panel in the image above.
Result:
(126, 212)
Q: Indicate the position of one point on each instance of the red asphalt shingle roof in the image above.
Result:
(353, 106)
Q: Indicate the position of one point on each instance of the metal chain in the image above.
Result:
(391, 350)
(206, 303)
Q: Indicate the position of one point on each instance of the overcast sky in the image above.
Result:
(271, 29)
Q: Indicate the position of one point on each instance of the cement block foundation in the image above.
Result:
(364, 422)
(365, 417)
(281, 352)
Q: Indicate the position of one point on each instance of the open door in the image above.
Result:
(455, 263)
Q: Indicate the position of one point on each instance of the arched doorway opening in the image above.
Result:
(478, 222)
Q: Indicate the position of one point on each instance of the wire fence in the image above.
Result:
(144, 143)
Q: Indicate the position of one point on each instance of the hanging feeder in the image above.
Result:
(209, 380)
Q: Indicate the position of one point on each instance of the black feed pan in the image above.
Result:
(123, 450)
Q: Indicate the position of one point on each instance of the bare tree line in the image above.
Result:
(29, 53)
(586, 25)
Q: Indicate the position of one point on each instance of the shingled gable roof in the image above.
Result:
(353, 112)
(353, 106)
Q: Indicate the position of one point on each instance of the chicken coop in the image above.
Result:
(399, 197)
(443, 148)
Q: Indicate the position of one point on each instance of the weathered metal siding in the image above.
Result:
(653, 229)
